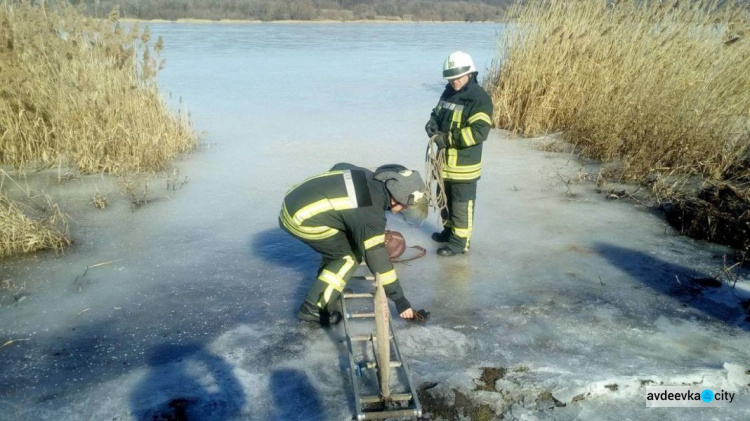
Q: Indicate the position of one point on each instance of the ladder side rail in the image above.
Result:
(352, 368)
(405, 368)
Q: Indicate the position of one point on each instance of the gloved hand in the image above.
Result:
(431, 127)
(441, 140)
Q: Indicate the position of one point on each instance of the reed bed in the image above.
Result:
(661, 87)
(658, 90)
(77, 92)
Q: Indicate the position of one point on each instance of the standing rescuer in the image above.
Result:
(460, 123)
(341, 215)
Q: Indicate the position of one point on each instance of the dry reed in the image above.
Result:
(661, 87)
(77, 91)
(20, 233)
(82, 90)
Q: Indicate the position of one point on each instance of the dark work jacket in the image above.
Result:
(347, 199)
(466, 116)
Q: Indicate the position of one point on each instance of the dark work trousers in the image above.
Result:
(337, 265)
(459, 218)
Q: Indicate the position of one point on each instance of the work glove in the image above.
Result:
(441, 140)
(431, 127)
(421, 316)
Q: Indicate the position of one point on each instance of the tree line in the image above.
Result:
(269, 10)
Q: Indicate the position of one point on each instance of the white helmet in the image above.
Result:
(458, 64)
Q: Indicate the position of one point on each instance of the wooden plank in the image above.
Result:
(382, 334)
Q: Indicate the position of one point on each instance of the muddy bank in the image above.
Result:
(520, 392)
(497, 392)
(717, 213)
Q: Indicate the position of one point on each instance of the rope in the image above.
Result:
(434, 160)
(421, 252)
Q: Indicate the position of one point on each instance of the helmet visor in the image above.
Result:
(416, 211)
(456, 72)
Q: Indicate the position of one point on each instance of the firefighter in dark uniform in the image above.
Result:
(341, 215)
(461, 121)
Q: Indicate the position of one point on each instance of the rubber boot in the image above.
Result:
(441, 237)
(446, 251)
(310, 312)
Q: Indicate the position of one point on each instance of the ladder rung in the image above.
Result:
(361, 315)
(358, 295)
(396, 413)
(373, 364)
(361, 338)
(363, 277)
(377, 398)
(370, 337)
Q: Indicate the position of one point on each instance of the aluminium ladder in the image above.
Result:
(381, 403)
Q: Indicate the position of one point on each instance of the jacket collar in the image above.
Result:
(450, 92)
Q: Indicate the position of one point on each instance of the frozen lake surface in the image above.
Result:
(580, 301)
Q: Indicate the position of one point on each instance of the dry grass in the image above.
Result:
(80, 90)
(99, 201)
(23, 234)
(661, 87)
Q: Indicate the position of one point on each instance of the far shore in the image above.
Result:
(326, 21)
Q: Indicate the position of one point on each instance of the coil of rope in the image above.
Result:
(434, 160)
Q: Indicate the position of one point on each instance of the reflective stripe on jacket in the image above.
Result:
(345, 199)
(466, 116)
